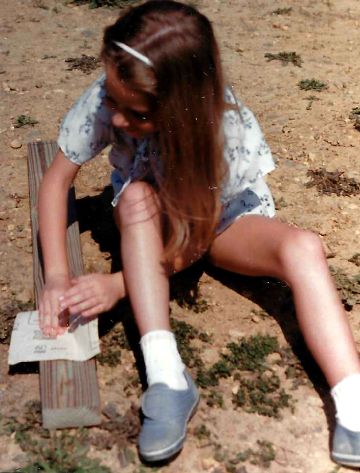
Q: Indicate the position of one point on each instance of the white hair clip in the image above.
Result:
(134, 53)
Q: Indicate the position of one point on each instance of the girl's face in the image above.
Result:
(132, 111)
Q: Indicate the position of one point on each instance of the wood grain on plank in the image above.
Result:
(69, 389)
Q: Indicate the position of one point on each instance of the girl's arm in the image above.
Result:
(53, 217)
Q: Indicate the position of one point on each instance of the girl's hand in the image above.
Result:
(52, 319)
(93, 294)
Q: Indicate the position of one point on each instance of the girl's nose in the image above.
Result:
(119, 120)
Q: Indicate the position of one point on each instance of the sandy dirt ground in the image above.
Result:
(306, 129)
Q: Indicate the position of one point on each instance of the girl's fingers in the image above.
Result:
(73, 297)
(78, 287)
(83, 306)
(48, 318)
(98, 309)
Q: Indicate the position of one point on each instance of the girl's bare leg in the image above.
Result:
(146, 272)
(172, 396)
(267, 247)
(142, 255)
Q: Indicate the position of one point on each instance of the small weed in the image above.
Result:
(355, 115)
(48, 56)
(285, 58)
(23, 120)
(328, 182)
(294, 368)
(312, 99)
(202, 432)
(215, 399)
(85, 45)
(282, 11)
(355, 259)
(348, 287)
(85, 63)
(200, 306)
(111, 345)
(144, 469)
(112, 357)
(104, 3)
(123, 429)
(187, 296)
(336, 469)
(312, 84)
(280, 203)
(262, 457)
(7, 317)
(40, 4)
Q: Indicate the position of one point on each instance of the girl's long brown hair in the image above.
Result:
(186, 83)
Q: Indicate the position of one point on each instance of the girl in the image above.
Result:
(189, 161)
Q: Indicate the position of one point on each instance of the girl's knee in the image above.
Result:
(301, 247)
(138, 201)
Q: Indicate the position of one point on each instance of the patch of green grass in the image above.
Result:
(262, 395)
(262, 457)
(246, 362)
(247, 355)
(285, 57)
(63, 452)
(23, 120)
(312, 84)
(184, 334)
(250, 355)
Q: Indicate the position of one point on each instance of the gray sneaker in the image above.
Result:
(166, 414)
(346, 446)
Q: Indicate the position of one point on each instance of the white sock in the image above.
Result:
(346, 396)
(162, 360)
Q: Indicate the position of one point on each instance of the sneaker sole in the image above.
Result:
(346, 460)
(167, 453)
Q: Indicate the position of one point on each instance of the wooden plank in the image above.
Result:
(69, 389)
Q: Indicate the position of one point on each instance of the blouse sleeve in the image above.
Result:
(84, 132)
(246, 151)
